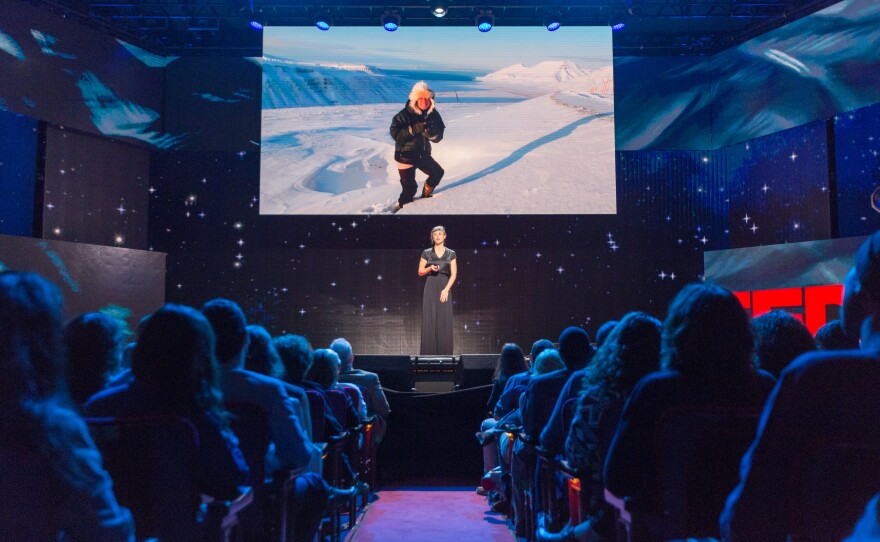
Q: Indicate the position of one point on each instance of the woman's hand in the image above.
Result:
(444, 295)
(435, 268)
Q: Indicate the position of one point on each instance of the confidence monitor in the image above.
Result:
(528, 115)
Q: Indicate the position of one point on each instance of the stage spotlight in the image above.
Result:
(439, 9)
(391, 21)
(552, 22)
(323, 21)
(617, 21)
(485, 20)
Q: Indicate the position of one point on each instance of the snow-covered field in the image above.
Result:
(518, 141)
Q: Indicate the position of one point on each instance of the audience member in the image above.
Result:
(512, 361)
(175, 373)
(631, 350)
(552, 435)
(779, 339)
(516, 384)
(537, 405)
(296, 355)
(54, 485)
(603, 332)
(93, 342)
(707, 361)
(323, 375)
(263, 358)
(377, 403)
(832, 336)
(293, 448)
(822, 396)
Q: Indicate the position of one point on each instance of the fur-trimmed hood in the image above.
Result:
(421, 90)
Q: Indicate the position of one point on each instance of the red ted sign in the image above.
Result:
(807, 304)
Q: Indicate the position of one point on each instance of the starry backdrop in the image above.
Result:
(521, 277)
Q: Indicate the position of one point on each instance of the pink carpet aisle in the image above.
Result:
(431, 514)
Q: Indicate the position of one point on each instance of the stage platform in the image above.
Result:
(430, 374)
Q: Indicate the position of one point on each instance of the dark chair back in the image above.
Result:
(316, 412)
(250, 423)
(697, 454)
(153, 462)
(339, 406)
(829, 485)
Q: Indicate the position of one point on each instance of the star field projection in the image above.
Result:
(857, 157)
(520, 277)
(780, 187)
(94, 190)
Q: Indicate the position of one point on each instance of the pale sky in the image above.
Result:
(449, 49)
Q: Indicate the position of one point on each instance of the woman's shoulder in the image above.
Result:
(451, 253)
(426, 254)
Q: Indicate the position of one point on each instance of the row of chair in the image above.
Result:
(153, 461)
(697, 452)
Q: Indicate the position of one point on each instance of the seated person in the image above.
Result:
(376, 402)
(175, 373)
(516, 384)
(262, 358)
(779, 339)
(630, 351)
(707, 361)
(822, 396)
(93, 342)
(54, 485)
(832, 336)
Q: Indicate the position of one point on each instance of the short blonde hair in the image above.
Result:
(436, 228)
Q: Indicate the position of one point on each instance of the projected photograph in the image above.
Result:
(526, 121)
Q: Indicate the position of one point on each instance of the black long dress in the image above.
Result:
(436, 316)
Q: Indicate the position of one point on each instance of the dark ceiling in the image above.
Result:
(654, 27)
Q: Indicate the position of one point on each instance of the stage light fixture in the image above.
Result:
(552, 22)
(617, 22)
(323, 21)
(485, 20)
(439, 9)
(391, 20)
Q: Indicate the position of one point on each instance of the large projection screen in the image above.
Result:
(529, 118)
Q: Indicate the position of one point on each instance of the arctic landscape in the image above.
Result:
(521, 140)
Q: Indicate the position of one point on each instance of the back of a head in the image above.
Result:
(832, 336)
(31, 352)
(630, 351)
(604, 330)
(230, 328)
(175, 357)
(324, 369)
(547, 361)
(779, 339)
(511, 361)
(93, 342)
(343, 349)
(296, 355)
(575, 348)
(261, 355)
(539, 346)
(707, 333)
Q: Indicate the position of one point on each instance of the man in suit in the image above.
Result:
(368, 383)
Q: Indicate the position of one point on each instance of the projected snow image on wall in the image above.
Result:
(529, 119)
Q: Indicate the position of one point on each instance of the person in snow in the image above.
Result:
(414, 128)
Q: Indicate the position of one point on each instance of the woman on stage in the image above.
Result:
(438, 263)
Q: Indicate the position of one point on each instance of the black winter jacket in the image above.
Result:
(413, 133)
